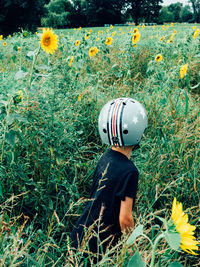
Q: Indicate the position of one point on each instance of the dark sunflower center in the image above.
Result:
(47, 41)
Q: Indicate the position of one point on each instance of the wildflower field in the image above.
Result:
(53, 84)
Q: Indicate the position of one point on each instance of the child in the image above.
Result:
(109, 212)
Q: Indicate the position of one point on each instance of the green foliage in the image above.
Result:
(166, 15)
(175, 9)
(18, 14)
(186, 14)
(58, 14)
(106, 12)
(137, 232)
(144, 11)
(176, 13)
(136, 260)
(196, 9)
(175, 264)
(49, 142)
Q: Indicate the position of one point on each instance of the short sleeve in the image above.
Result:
(129, 186)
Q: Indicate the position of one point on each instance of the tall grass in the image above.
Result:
(49, 142)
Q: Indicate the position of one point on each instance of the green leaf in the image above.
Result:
(173, 239)
(137, 232)
(88, 69)
(31, 53)
(1, 191)
(175, 264)
(20, 118)
(10, 119)
(20, 74)
(136, 260)
(5, 103)
(10, 137)
(13, 58)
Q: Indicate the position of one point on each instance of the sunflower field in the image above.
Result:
(53, 85)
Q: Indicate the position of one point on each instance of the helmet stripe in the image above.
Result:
(108, 124)
(120, 121)
(119, 134)
(114, 119)
(110, 119)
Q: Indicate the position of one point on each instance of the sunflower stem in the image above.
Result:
(158, 238)
(31, 73)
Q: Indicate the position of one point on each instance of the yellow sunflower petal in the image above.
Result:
(49, 41)
(186, 231)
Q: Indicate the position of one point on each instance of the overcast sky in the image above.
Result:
(168, 2)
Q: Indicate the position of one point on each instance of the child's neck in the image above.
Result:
(125, 150)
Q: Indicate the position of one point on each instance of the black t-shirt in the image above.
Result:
(115, 177)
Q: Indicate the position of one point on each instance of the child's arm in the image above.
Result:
(125, 214)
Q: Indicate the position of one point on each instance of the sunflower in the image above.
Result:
(111, 26)
(93, 51)
(20, 94)
(172, 36)
(77, 43)
(183, 70)
(49, 41)
(196, 33)
(194, 28)
(18, 97)
(71, 61)
(4, 44)
(113, 34)
(186, 231)
(79, 98)
(162, 38)
(158, 58)
(135, 30)
(169, 41)
(1, 37)
(87, 36)
(172, 24)
(108, 41)
(135, 38)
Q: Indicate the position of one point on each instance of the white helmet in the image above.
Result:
(122, 122)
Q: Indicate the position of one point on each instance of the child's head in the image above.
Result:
(122, 122)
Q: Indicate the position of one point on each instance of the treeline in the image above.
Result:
(25, 14)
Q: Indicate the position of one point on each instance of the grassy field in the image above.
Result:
(49, 141)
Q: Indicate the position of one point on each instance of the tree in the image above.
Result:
(144, 10)
(16, 14)
(79, 15)
(58, 14)
(176, 10)
(165, 15)
(102, 12)
(186, 14)
(196, 9)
